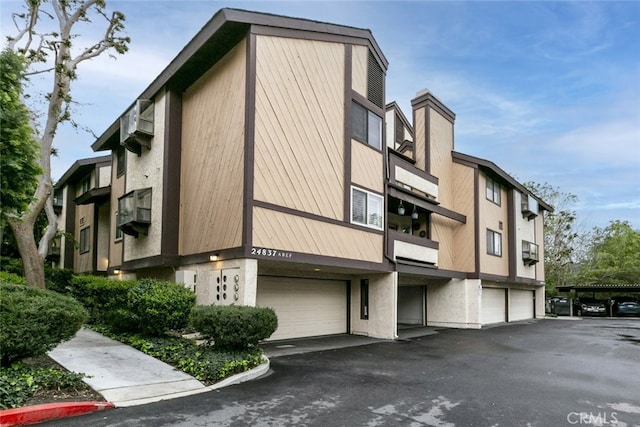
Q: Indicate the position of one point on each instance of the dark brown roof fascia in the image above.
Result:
(428, 99)
(81, 167)
(394, 106)
(92, 196)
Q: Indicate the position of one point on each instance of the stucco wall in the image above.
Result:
(382, 306)
(454, 304)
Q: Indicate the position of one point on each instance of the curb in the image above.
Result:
(49, 411)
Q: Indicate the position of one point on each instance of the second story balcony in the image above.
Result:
(409, 233)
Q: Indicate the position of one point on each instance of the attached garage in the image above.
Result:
(521, 303)
(494, 305)
(411, 305)
(305, 307)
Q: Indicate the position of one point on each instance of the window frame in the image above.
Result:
(121, 161)
(364, 299)
(491, 243)
(84, 241)
(369, 195)
(367, 126)
(119, 234)
(85, 184)
(496, 191)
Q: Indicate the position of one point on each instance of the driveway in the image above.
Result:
(539, 373)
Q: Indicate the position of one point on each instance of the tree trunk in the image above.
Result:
(32, 261)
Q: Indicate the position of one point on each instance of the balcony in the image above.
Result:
(408, 233)
(529, 207)
(529, 253)
(134, 212)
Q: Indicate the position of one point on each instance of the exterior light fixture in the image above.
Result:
(213, 257)
(116, 271)
(400, 208)
(414, 214)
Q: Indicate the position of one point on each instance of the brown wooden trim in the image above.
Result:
(249, 143)
(306, 34)
(493, 278)
(314, 217)
(410, 167)
(427, 271)
(369, 106)
(149, 262)
(476, 219)
(348, 57)
(329, 261)
(70, 227)
(511, 229)
(427, 139)
(427, 99)
(94, 195)
(203, 257)
(172, 164)
(396, 108)
(408, 238)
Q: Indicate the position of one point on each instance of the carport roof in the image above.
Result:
(629, 287)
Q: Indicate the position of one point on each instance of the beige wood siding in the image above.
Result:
(420, 140)
(491, 215)
(299, 131)
(212, 157)
(441, 144)
(359, 63)
(366, 167)
(277, 230)
(84, 214)
(464, 202)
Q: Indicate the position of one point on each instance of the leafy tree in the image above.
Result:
(56, 55)
(613, 256)
(18, 149)
(562, 239)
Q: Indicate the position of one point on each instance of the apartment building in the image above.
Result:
(263, 167)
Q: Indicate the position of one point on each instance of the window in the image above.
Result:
(85, 184)
(366, 126)
(134, 212)
(364, 299)
(529, 252)
(121, 159)
(366, 208)
(494, 243)
(493, 191)
(119, 233)
(84, 240)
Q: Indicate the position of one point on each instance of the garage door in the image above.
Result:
(304, 307)
(520, 304)
(411, 305)
(493, 305)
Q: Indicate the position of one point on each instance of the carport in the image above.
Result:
(609, 290)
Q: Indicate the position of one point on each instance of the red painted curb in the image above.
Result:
(49, 411)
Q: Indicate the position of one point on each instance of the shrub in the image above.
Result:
(101, 296)
(236, 327)
(11, 265)
(58, 279)
(156, 306)
(34, 321)
(11, 279)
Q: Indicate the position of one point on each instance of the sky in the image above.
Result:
(548, 91)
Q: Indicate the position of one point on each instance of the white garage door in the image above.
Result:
(493, 305)
(304, 307)
(520, 304)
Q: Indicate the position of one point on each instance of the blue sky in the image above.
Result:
(549, 91)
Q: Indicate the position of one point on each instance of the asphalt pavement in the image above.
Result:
(537, 373)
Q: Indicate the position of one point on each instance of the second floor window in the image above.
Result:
(84, 240)
(120, 161)
(493, 191)
(366, 208)
(494, 243)
(366, 126)
(85, 185)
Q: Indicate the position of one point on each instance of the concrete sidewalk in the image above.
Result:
(122, 374)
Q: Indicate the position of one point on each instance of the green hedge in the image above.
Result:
(34, 321)
(235, 327)
(11, 279)
(101, 296)
(58, 279)
(154, 307)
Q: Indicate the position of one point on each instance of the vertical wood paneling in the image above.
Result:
(360, 60)
(278, 230)
(366, 167)
(441, 145)
(464, 204)
(84, 262)
(115, 248)
(212, 157)
(299, 147)
(420, 140)
(490, 217)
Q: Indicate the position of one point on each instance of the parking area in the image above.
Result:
(551, 372)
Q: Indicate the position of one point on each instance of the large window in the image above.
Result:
(493, 191)
(366, 126)
(121, 158)
(119, 234)
(366, 208)
(494, 243)
(84, 240)
(85, 184)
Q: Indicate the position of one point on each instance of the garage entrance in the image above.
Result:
(521, 304)
(412, 305)
(305, 307)
(494, 305)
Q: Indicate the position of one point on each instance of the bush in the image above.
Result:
(11, 279)
(236, 327)
(11, 265)
(58, 279)
(34, 321)
(154, 307)
(101, 296)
